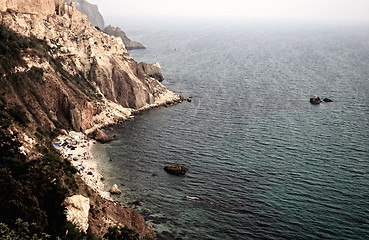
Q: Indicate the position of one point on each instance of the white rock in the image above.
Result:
(115, 190)
(77, 208)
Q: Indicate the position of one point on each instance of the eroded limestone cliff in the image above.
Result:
(91, 11)
(89, 70)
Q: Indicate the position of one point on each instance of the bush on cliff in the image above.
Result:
(123, 233)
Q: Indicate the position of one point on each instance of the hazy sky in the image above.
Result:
(311, 10)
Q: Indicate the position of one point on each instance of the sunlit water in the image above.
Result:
(263, 162)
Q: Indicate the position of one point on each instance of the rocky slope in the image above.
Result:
(57, 71)
(89, 71)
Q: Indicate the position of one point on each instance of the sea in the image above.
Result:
(264, 163)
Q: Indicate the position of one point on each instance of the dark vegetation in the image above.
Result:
(126, 233)
(31, 191)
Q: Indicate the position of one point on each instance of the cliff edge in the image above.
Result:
(91, 11)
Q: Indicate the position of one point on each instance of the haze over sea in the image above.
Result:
(263, 162)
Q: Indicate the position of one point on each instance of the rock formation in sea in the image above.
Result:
(58, 72)
(176, 169)
(117, 32)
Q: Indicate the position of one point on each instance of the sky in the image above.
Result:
(290, 10)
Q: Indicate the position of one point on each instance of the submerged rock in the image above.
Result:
(176, 169)
(315, 100)
(327, 100)
(115, 190)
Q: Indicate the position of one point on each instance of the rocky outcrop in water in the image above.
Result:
(176, 169)
(315, 100)
(115, 190)
(117, 32)
(327, 100)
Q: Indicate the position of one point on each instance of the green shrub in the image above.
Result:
(121, 233)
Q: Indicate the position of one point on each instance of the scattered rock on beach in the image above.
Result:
(115, 190)
(176, 169)
(100, 136)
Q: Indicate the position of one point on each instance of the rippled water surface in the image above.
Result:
(263, 162)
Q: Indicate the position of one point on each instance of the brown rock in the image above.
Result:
(176, 169)
(100, 136)
(152, 70)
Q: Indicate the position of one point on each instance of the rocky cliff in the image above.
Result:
(41, 8)
(57, 71)
(96, 19)
(91, 11)
(117, 32)
(84, 70)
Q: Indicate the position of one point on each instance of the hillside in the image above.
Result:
(59, 73)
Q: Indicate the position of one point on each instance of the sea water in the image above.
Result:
(263, 162)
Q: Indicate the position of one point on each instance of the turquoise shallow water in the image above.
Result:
(264, 162)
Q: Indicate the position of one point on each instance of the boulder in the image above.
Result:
(315, 100)
(176, 169)
(100, 136)
(115, 190)
(76, 210)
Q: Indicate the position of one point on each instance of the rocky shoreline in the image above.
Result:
(65, 74)
(77, 148)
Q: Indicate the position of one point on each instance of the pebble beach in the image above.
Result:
(76, 147)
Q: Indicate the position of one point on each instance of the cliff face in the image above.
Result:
(91, 11)
(117, 32)
(41, 7)
(57, 72)
(96, 19)
(88, 70)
